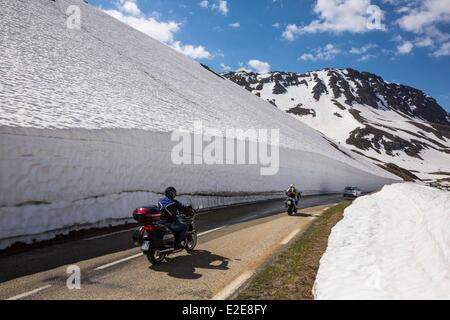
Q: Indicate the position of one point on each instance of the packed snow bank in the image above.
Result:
(394, 244)
(86, 117)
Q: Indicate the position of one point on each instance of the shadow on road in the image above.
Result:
(185, 267)
(303, 215)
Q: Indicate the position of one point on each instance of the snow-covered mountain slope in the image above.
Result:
(86, 117)
(394, 244)
(391, 124)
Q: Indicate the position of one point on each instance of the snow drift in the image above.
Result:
(86, 117)
(394, 244)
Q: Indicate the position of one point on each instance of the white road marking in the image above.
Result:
(290, 237)
(229, 290)
(253, 216)
(119, 261)
(29, 293)
(209, 231)
(110, 234)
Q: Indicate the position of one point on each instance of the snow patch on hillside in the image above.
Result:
(394, 244)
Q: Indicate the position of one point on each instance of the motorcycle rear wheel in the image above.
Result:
(191, 242)
(291, 211)
(155, 257)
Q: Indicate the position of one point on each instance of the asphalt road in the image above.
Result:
(233, 243)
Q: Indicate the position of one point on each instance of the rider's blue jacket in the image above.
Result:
(170, 208)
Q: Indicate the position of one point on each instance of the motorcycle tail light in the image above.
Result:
(149, 228)
(141, 210)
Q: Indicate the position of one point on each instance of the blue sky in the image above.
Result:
(405, 41)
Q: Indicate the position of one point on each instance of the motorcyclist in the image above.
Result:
(170, 209)
(293, 193)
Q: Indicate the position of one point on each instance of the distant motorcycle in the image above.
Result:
(291, 205)
(156, 239)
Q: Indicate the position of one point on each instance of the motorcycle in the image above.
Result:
(156, 239)
(291, 204)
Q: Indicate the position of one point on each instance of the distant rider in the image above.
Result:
(170, 209)
(293, 193)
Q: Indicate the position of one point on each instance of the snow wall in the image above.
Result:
(55, 181)
(85, 122)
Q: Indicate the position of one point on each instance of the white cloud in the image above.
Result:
(276, 25)
(405, 48)
(198, 52)
(444, 50)
(259, 66)
(221, 6)
(424, 42)
(161, 31)
(128, 12)
(235, 25)
(130, 7)
(338, 16)
(326, 53)
(225, 67)
(366, 57)
(425, 13)
(423, 19)
(363, 49)
(291, 32)
(204, 4)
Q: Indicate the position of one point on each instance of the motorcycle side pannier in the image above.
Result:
(147, 215)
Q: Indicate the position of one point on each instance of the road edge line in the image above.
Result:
(29, 293)
(234, 286)
(118, 261)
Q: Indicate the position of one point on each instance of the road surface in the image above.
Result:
(233, 244)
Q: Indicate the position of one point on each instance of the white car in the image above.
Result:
(352, 192)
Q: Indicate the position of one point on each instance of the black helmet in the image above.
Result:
(171, 192)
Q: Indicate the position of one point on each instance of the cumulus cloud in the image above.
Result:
(259, 66)
(235, 25)
(423, 18)
(444, 50)
(130, 7)
(219, 6)
(128, 12)
(225, 67)
(363, 49)
(366, 57)
(204, 4)
(195, 52)
(425, 13)
(327, 53)
(339, 16)
(291, 32)
(254, 65)
(405, 48)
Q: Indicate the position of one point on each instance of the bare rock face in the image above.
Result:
(356, 87)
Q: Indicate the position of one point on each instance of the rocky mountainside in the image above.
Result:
(397, 127)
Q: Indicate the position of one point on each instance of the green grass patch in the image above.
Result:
(292, 274)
